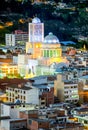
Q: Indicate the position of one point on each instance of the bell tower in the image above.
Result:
(36, 37)
(36, 31)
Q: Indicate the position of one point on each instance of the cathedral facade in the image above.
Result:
(43, 53)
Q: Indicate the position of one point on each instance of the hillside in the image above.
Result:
(68, 21)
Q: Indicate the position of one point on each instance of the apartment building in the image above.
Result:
(38, 90)
(45, 84)
(67, 90)
(22, 94)
(16, 38)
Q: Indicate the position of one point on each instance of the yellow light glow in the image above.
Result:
(5, 65)
(21, 21)
(74, 119)
(29, 75)
(30, 46)
(36, 46)
(1, 27)
(38, 56)
(9, 23)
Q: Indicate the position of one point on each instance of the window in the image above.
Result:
(30, 122)
(66, 92)
(66, 96)
(50, 53)
(24, 97)
(12, 106)
(40, 123)
(44, 53)
(47, 53)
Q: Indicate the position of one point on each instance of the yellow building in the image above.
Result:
(48, 50)
(41, 52)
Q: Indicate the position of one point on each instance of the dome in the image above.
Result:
(51, 39)
(36, 20)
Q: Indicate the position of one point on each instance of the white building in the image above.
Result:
(15, 39)
(11, 110)
(7, 110)
(26, 66)
(23, 94)
(36, 31)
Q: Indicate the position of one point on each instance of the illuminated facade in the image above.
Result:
(36, 37)
(46, 51)
(36, 31)
(47, 48)
(51, 50)
(8, 70)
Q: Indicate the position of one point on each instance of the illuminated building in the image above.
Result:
(46, 51)
(47, 48)
(3, 97)
(36, 37)
(42, 54)
(83, 89)
(7, 68)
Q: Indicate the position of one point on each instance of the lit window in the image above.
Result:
(36, 46)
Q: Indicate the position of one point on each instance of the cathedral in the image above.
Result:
(43, 53)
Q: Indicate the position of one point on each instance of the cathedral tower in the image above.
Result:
(36, 37)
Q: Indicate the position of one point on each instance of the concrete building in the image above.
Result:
(16, 39)
(38, 90)
(27, 66)
(45, 84)
(22, 94)
(13, 124)
(66, 90)
(12, 110)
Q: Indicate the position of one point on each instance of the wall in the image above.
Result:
(5, 110)
(59, 88)
(32, 96)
